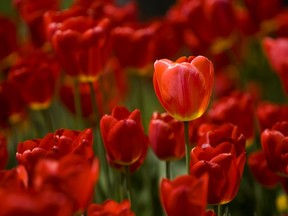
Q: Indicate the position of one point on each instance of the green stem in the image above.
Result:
(128, 183)
(187, 144)
(48, 119)
(100, 147)
(77, 101)
(168, 169)
(219, 210)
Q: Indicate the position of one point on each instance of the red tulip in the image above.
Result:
(186, 195)
(45, 203)
(71, 175)
(12, 109)
(224, 167)
(82, 44)
(32, 14)
(111, 208)
(260, 170)
(123, 136)
(56, 146)
(220, 13)
(8, 39)
(133, 45)
(269, 114)
(275, 147)
(262, 10)
(15, 179)
(223, 111)
(35, 77)
(166, 137)
(213, 135)
(184, 87)
(276, 51)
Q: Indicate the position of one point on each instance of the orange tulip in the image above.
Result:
(184, 87)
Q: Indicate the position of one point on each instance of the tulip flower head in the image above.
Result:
(185, 195)
(123, 137)
(166, 137)
(184, 87)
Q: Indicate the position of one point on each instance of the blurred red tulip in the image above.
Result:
(276, 51)
(224, 167)
(8, 37)
(111, 208)
(224, 109)
(221, 15)
(245, 22)
(260, 170)
(134, 46)
(32, 13)
(35, 77)
(82, 44)
(45, 203)
(269, 113)
(184, 87)
(56, 145)
(275, 147)
(186, 195)
(12, 109)
(123, 136)
(15, 179)
(71, 175)
(262, 10)
(166, 137)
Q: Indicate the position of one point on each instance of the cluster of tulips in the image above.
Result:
(107, 112)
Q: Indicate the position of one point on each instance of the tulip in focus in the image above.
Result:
(184, 87)
(224, 167)
(123, 137)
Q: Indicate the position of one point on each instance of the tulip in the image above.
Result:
(55, 146)
(110, 207)
(260, 170)
(276, 51)
(275, 148)
(223, 111)
(166, 137)
(32, 14)
(71, 175)
(224, 167)
(184, 87)
(46, 203)
(269, 114)
(35, 77)
(12, 109)
(133, 46)
(213, 135)
(82, 44)
(8, 38)
(186, 195)
(123, 136)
